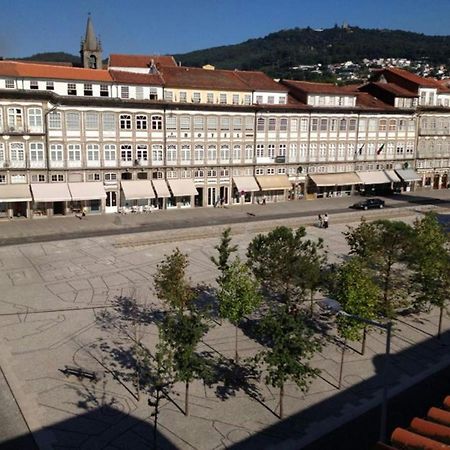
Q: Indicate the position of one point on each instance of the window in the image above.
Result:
(211, 173)
(259, 150)
(235, 99)
(109, 122)
(237, 152)
(2, 152)
(109, 152)
(38, 178)
(54, 120)
(224, 173)
(183, 97)
(18, 178)
(157, 152)
(249, 124)
(104, 91)
(93, 177)
(271, 150)
(237, 123)
(399, 149)
(110, 176)
(212, 153)
(199, 123)
(171, 173)
(171, 153)
(15, 118)
(93, 153)
(74, 152)
(294, 125)
(259, 171)
(91, 121)
(282, 150)
(322, 150)
(270, 171)
(71, 89)
(59, 177)
(153, 94)
(362, 126)
(185, 152)
(124, 92)
(139, 92)
(125, 122)
(249, 151)
(156, 123)
(36, 151)
(185, 123)
(223, 99)
(196, 97)
(9, 84)
(168, 96)
(209, 97)
(225, 152)
(88, 89)
(199, 153)
(126, 152)
(259, 99)
(272, 124)
(34, 84)
(303, 125)
(343, 125)
(341, 150)
(260, 124)
(199, 173)
(141, 122)
(35, 117)
(142, 152)
(352, 125)
(283, 124)
(73, 121)
(382, 125)
(292, 152)
(410, 148)
(281, 100)
(303, 149)
(392, 125)
(323, 124)
(225, 123)
(247, 99)
(314, 124)
(211, 123)
(56, 152)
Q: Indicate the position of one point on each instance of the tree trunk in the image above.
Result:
(341, 368)
(186, 399)
(441, 314)
(311, 310)
(363, 343)
(281, 400)
(155, 420)
(236, 355)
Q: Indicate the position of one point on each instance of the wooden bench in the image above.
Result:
(79, 372)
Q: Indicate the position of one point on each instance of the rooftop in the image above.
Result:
(142, 61)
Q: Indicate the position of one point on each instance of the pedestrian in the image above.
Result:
(216, 202)
(320, 221)
(264, 200)
(325, 220)
(222, 201)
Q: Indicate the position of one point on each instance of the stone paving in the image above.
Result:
(58, 306)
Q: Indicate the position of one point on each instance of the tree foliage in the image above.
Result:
(225, 250)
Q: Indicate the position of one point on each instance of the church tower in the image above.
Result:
(91, 48)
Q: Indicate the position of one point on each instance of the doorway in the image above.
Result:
(111, 202)
(58, 208)
(212, 196)
(198, 199)
(224, 194)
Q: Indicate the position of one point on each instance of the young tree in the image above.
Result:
(430, 262)
(286, 263)
(171, 284)
(225, 250)
(180, 333)
(290, 346)
(383, 248)
(238, 295)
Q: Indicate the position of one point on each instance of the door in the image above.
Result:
(224, 195)
(198, 199)
(111, 202)
(212, 197)
(58, 208)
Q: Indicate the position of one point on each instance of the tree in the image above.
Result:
(283, 261)
(430, 262)
(238, 295)
(383, 248)
(290, 346)
(225, 251)
(180, 332)
(170, 281)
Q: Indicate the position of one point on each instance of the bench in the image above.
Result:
(79, 372)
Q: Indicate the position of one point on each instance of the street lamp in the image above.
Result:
(388, 328)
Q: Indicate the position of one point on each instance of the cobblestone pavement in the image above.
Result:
(58, 306)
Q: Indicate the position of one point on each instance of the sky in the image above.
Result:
(179, 26)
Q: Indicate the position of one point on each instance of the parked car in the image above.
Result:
(369, 203)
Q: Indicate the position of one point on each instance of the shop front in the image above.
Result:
(332, 185)
(50, 198)
(374, 183)
(243, 189)
(15, 200)
(183, 193)
(273, 188)
(87, 197)
(138, 195)
(409, 177)
(162, 193)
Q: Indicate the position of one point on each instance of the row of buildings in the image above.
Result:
(145, 131)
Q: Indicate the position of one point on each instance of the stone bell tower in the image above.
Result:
(91, 48)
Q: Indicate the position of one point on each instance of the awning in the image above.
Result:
(408, 175)
(274, 182)
(373, 177)
(246, 184)
(182, 188)
(162, 191)
(392, 176)
(335, 179)
(137, 189)
(50, 192)
(87, 191)
(15, 193)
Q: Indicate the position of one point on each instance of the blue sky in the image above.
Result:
(178, 26)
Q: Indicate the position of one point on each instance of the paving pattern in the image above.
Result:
(68, 303)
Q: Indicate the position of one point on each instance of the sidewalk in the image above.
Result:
(71, 227)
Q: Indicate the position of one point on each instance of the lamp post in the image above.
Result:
(388, 328)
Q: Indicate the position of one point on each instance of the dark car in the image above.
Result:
(369, 203)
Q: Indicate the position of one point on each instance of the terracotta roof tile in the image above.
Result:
(45, 71)
(367, 101)
(317, 88)
(119, 60)
(136, 78)
(395, 89)
(259, 81)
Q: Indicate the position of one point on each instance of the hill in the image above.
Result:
(277, 52)
(53, 57)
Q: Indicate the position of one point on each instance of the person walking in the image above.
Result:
(320, 221)
(325, 220)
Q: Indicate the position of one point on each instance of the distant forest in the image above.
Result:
(278, 52)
